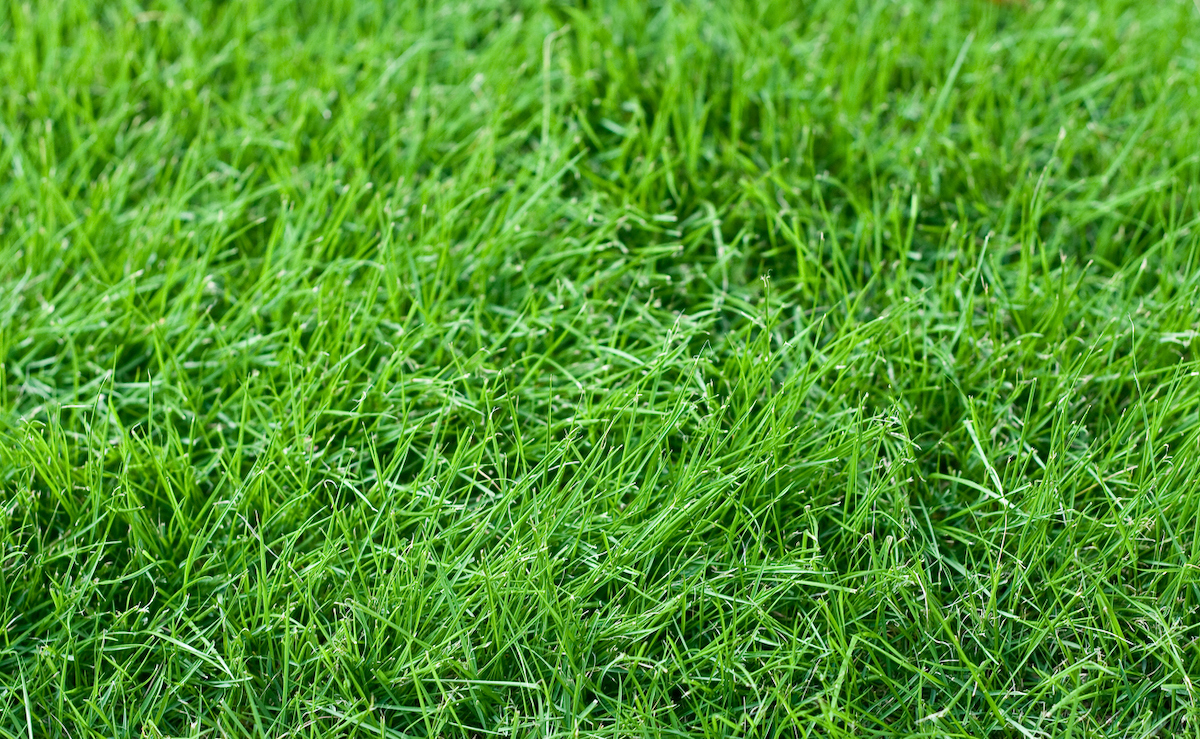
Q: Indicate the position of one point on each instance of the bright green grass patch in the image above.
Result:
(627, 369)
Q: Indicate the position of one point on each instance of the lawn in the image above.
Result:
(473, 368)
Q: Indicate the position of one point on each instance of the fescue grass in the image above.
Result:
(621, 369)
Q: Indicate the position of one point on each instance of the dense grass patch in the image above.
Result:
(621, 368)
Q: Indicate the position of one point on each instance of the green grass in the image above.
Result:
(621, 369)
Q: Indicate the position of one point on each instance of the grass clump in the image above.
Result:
(616, 368)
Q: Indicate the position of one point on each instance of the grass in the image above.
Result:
(621, 369)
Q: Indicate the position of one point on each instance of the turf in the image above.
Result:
(621, 369)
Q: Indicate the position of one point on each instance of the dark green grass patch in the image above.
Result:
(615, 369)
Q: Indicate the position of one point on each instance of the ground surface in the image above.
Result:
(632, 369)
